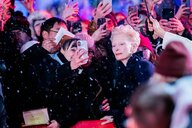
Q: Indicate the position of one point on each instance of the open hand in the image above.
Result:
(101, 11)
(176, 26)
(183, 10)
(28, 4)
(69, 10)
(100, 33)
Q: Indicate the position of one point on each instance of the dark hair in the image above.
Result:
(18, 22)
(68, 42)
(112, 17)
(48, 24)
(152, 99)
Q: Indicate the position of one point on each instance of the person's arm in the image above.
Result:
(168, 37)
(29, 5)
(69, 10)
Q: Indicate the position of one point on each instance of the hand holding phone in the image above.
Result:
(100, 22)
(183, 10)
(133, 9)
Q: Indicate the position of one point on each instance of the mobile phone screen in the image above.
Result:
(82, 44)
(187, 3)
(132, 9)
(168, 13)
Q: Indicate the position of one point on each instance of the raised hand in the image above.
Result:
(165, 24)
(5, 4)
(69, 10)
(100, 33)
(157, 28)
(4, 12)
(78, 59)
(176, 26)
(133, 19)
(101, 11)
(183, 10)
(29, 5)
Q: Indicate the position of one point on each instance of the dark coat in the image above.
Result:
(30, 83)
(2, 109)
(84, 93)
(126, 79)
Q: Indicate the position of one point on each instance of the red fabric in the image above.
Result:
(145, 42)
(92, 124)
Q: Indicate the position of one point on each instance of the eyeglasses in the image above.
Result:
(56, 31)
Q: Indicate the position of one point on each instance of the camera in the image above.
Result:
(101, 21)
(82, 44)
(76, 27)
(133, 9)
(167, 13)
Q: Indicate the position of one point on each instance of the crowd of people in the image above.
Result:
(136, 71)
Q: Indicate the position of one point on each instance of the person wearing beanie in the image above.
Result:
(18, 28)
(175, 62)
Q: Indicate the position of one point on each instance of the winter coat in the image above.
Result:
(125, 81)
(31, 83)
(84, 92)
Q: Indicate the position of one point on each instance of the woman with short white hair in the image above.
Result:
(130, 69)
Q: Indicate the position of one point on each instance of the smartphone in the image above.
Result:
(61, 33)
(121, 22)
(82, 44)
(167, 13)
(133, 9)
(76, 27)
(101, 21)
(107, 2)
(187, 3)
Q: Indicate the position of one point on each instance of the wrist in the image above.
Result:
(162, 34)
(181, 32)
(31, 10)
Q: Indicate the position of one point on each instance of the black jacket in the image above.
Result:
(126, 80)
(31, 81)
(84, 95)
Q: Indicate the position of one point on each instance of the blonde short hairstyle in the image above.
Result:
(127, 31)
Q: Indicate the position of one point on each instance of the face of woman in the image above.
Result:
(146, 52)
(122, 48)
(70, 51)
(109, 24)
